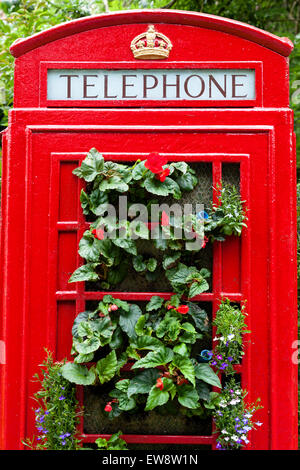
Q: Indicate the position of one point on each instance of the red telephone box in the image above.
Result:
(211, 91)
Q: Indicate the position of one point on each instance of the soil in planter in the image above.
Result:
(141, 422)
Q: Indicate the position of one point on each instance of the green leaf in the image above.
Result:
(185, 365)
(181, 349)
(204, 372)
(139, 170)
(129, 319)
(140, 324)
(117, 339)
(169, 260)
(188, 396)
(78, 374)
(138, 264)
(83, 316)
(186, 181)
(143, 382)
(81, 358)
(155, 303)
(107, 367)
(180, 166)
(91, 344)
(156, 398)
(114, 183)
(154, 186)
(147, 342)
(85, 273)
(89, 247)
(197, 288)
(155, 358)
(128, 245)
(151, 264)
(91, 166)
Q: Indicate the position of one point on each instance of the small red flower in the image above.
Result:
(113, 308)
(183, 309)
(205, 240)
(155, 163)
(101, 314)
(181, 381)
(159, 384)
(98, 233)
(108, 408)
(169, 307)
(162, 175)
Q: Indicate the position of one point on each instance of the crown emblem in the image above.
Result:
(151, 45)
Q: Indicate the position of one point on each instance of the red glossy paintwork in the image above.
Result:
(42, 221)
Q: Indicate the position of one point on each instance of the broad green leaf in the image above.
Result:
(147, 342)
(143, 382)
(139, 171)
(113, 183)
(186, 181)
(197, 288)
(89, 345)
(129, 319)
(154, 186)
(185, 365)
(107, 367)
(124, 403)
(138, 264)
(116, 339)
(156, 398)
(140, 324)
(81, 358)
(204, 372)
(128, 245)
(91, 166)
(188, 396)
(169, 260)
(151, 264)
(181, 349)
(155, 358)
(78, 374)
(85, 273)
(83, 316)
(155, 303)
(180, 166)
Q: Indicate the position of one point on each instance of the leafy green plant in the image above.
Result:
(115, 442)
(57, 413)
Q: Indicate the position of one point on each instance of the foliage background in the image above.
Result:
(22, 18)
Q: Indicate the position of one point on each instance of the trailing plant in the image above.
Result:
(230, 328)
(234, 417)
(56, 415)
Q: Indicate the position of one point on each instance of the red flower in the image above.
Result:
(181, 381)
(113, 308)
(108, 408)
(169, 307)
(164, 219)
(98, 233)
(205, 240)
(159, 384)
(161, 176)
(183, 309)
(155, 163)
(101, 314)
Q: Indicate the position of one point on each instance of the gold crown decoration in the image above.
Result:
(151, 45)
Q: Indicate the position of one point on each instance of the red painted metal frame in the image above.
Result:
(40, 194)
(252, 65)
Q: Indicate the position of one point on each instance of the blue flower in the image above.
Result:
(62, 397)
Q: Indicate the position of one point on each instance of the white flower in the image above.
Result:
(230, 337)
(238, 392)
(224, 431)
(244, 437)
(216, 338)
(234, 437)
(248, 415)
(258, 423)
(226, 438)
